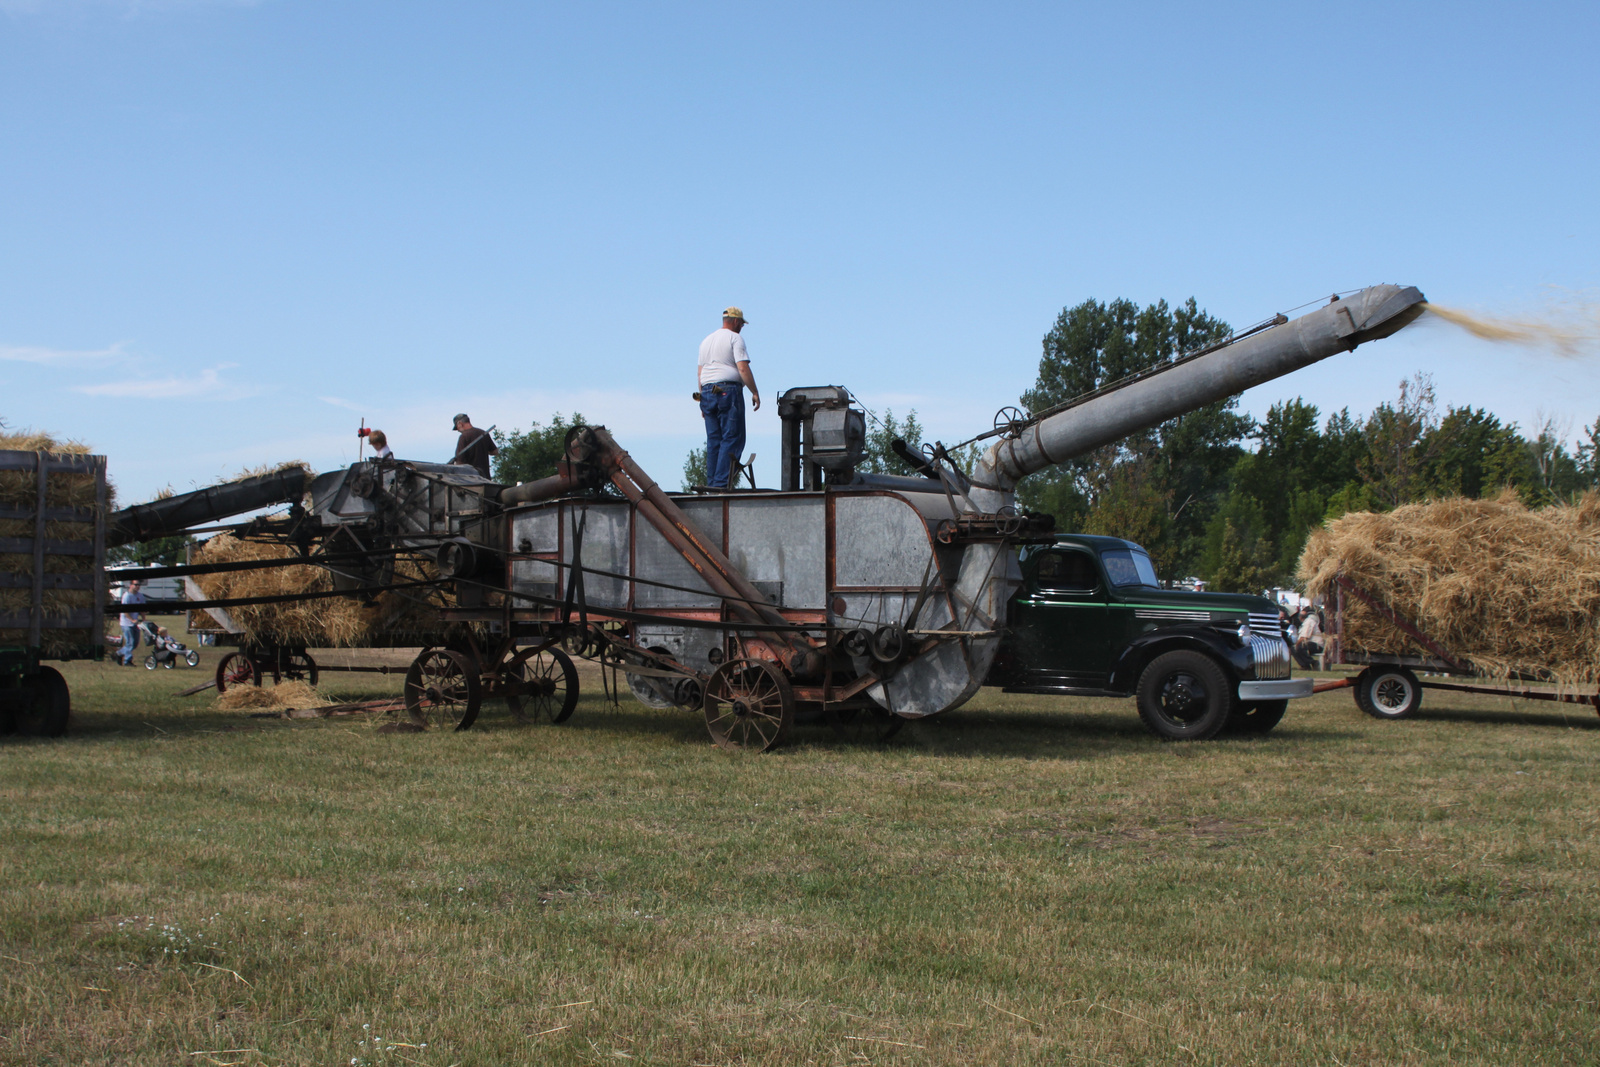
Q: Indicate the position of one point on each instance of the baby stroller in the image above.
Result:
(169, 651)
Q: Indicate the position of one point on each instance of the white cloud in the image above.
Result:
(40, 354)
(207, 384)
(338, 402)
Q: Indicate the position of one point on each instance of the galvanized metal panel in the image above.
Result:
(878, 541)
(782, 543)
(604, 548)
(536, 531)
(658, 561)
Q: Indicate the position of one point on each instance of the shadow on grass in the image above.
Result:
(1578, 718)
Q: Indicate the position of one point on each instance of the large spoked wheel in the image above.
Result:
(1257, 716)
(748, 704)
(541, 682)
(41, 708)
(1184, 696)
(443, 690)
(864, 726)
(236, 669)
(298, 667)
(1388, 692)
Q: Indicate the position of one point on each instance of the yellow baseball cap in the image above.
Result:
(734, 313)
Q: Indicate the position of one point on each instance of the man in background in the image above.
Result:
(130, 621)
(722, 375)
(380, 445)
(475, 446)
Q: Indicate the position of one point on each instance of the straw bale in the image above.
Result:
(327, 622)
(21, 488)
(289, 694)
(1511, 589)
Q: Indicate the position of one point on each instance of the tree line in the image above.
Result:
(1214, 493)
(1219, 495)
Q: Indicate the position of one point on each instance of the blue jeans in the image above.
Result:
(724, 415)
(130, 641)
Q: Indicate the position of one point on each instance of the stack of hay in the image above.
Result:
(20, 489)
(1510, 589)
(326, 622)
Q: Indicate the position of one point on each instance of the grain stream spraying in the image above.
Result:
(1568, 329)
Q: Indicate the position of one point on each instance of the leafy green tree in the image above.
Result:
(529, 456)
(1182, 464)
(1472, 453)
(1400, 444)
(879, 458)
(1243, 565)
(694, 468)
(1588, 456)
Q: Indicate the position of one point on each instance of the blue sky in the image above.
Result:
(231, 230)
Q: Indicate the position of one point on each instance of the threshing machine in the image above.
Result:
(862, 599)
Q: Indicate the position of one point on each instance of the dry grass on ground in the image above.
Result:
(1025, 881)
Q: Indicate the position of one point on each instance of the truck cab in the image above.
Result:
(1091, 619)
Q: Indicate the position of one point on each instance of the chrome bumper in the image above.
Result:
(1276, 689)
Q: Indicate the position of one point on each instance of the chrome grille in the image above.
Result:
(1271, 655)
(1266, 625)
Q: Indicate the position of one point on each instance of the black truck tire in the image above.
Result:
(1388, 692)
(1185, 696)
(1257, 716)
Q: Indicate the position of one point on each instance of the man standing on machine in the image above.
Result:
(722, 375)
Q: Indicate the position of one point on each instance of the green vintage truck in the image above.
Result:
(1091, 619)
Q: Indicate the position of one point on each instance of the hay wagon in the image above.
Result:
(1390, 684)
(52, 581)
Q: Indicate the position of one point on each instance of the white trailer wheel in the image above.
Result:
(1388, 692)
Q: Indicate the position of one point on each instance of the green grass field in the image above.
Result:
(1025, 881)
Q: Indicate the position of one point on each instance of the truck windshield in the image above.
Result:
(1129, 566)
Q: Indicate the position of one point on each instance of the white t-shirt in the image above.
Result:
(382, 453)
(720, 355)
(1310, 628)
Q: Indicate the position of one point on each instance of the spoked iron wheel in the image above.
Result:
(236, 668)
(542, 683)
(748, 704)
(864, 726)
(443, 690)
(297, 666)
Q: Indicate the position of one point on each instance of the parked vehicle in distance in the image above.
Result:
(1091, 619)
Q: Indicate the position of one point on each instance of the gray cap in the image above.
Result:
(458, 420)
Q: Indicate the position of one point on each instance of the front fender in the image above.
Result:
(1225, 649)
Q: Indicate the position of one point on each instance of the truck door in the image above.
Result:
(1060, 631)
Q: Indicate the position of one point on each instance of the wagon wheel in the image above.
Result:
(236, 668)
(864, 726)
(296, 666)
(442, 690)
(748, 704)
(541, 680)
